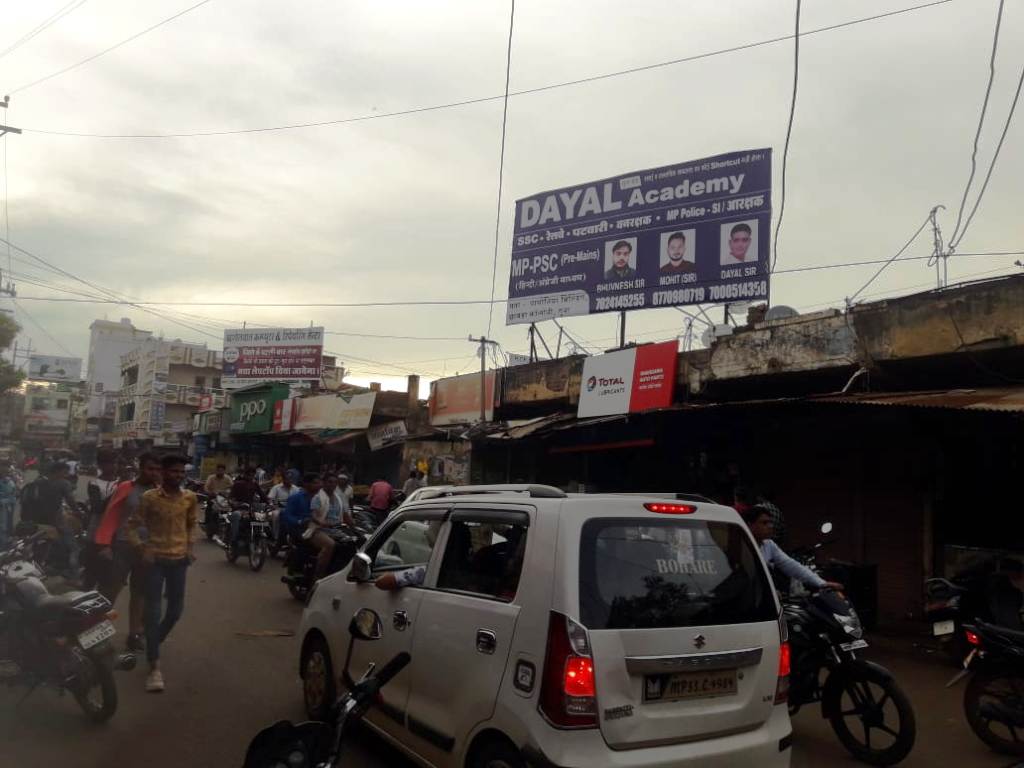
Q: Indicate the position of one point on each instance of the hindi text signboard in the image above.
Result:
(254, 355)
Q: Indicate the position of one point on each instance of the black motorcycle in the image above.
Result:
(64, 642)
(869, 712)
(983, 592)
(317, 744)
(301, 559)
(252, 538)
(994, 698)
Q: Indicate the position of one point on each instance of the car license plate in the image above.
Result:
(102, 631)
(940, 628)
(690, 685)
(855, 645)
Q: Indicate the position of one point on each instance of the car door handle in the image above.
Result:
(400, 621)
(486, 641)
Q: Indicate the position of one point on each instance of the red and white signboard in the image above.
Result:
(284, 415)
(628, 381)
(253, 355)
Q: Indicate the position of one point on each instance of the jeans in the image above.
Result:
(236, 519)
(6, 521)
(172, 574)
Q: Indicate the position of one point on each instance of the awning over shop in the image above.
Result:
(1007, 399)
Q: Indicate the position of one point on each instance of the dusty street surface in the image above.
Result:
(224, 685)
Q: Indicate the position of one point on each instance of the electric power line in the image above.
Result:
(995, 157)
(981, 122)
(46, 333)
(43, 26)
(483, 99)
(789, 131)
(501, 163)
(890, 260)
(105, 51)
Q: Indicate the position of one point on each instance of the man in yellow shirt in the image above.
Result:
(167, 514)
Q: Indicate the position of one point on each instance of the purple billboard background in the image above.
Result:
(612, 245)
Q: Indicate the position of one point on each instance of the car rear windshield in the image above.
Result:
(670, 573)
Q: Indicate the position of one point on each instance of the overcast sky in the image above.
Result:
(404, 208)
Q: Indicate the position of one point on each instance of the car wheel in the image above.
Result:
(318, 687)
(498, 754)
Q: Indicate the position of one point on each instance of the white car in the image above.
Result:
(564, 630)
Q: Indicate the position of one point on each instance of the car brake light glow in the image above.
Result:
(568, 692)
(782, 686)
(973, 638)
(579, 676)
(670, 509)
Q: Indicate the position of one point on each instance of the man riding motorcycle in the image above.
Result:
(759, 521)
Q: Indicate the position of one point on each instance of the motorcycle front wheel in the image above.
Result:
(95, 691)
(994, 705)
(257, 553)
(872, 717)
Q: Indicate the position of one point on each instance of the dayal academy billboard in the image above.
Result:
(691, 233)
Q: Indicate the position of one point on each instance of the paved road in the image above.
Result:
(224, 685)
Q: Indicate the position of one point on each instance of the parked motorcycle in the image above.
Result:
(253, 537)
(978, 593)
(301, 559)
(64, 642)
(868, 711)
(317, 744)
(994, 698)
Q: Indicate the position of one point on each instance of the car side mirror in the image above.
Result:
(361, 567)
(826, 528)
(366, 625)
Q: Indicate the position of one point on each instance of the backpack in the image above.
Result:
(33, 501)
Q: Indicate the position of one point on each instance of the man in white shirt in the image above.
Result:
(278, 497)
(740, 238)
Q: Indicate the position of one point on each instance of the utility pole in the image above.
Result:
(939, 254)
(622, 329)
(6, 128)
(483, 341)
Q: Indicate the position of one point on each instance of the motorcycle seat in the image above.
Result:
(47, 604)
(1014, 635)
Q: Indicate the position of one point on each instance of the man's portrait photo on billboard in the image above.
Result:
(739, 243)
(678, 251)
(620, 259)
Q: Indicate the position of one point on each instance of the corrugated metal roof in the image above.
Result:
(1005, 399)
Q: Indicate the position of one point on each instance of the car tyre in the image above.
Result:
(497, 754)
(318, 686)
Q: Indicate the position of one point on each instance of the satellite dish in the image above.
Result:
(707, 337)
(779, 312)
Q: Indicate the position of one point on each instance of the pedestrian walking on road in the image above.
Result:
(169, 516)
(123, 558)
(379, 499)
(8, 499)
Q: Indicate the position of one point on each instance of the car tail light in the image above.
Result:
(568, 692)
(973, 638)
(782, 686)
(670, 509)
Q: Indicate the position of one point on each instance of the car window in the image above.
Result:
(671, 573)
(484, 558)
(409, 543)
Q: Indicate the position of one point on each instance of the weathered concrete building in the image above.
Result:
(898, 420)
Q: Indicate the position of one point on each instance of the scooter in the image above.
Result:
(318, 744)
(994, 697)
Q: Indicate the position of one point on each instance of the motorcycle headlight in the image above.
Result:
(850, 623)
(261, 517)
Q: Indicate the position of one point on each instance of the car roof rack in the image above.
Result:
(531, 489)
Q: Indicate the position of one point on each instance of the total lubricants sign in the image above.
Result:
(628, 381)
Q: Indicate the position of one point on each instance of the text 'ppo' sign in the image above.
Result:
(629, 381)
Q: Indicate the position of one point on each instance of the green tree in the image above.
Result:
(10, 377)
